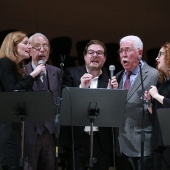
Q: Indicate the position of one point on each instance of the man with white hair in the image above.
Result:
(40, 141)
(135, 118)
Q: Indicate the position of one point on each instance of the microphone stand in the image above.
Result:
(22, 115)
(92, 114)
(57, 114)
(143, 115)
(112, 69)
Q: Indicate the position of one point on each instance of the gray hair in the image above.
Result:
(137, 42)
(37, 34)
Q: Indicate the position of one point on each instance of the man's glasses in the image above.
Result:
(160, 54)
(126, 50)
(98, 53)
(38, 47)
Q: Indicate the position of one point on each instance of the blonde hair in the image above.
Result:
(8, 48)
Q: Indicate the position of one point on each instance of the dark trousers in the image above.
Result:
(134, 163)
(82, 155)
(10, 168)
(10, 146)
(44, 154)
(161, 158)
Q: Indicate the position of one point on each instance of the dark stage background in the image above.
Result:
(70, 23)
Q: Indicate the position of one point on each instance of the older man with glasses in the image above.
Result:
(136, 130)
(40, 142)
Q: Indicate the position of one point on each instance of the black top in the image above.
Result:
(10, 79)
(10, 141)
(163, 90)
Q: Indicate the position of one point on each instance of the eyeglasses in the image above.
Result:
(38, 47)
(98, 53)
(126, 50)
(160, 54)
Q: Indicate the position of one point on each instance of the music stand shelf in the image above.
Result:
(92, 107)
(20, 106)
(76, 103)
(164, 119)
(35, 105)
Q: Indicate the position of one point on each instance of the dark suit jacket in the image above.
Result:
(72, 79)
(130, 136)
(10, 134)
(31, 127)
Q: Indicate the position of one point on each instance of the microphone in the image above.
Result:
(111, 68)
(41, 62)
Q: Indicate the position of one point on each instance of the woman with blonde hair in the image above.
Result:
(14, 49)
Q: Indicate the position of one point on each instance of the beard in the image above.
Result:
(94, 67)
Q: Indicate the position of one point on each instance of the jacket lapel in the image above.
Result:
(51, 77)
(102, 81)
(137, 82)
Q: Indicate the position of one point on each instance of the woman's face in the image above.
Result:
(160, 59)
(23, 49)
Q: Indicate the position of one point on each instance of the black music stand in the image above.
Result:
(164, 118)
(104, 108)
(33, 106)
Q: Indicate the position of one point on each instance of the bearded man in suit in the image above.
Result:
(89, 75)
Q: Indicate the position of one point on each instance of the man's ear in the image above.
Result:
(140, 52)
(85, 58)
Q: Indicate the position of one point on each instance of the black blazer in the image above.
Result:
(71, 78)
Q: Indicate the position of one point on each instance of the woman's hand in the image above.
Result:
(154, 93)
(40, 68)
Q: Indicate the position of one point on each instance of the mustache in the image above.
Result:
(125, 59)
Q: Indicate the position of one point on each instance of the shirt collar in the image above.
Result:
(33, 65)
(96, 76)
